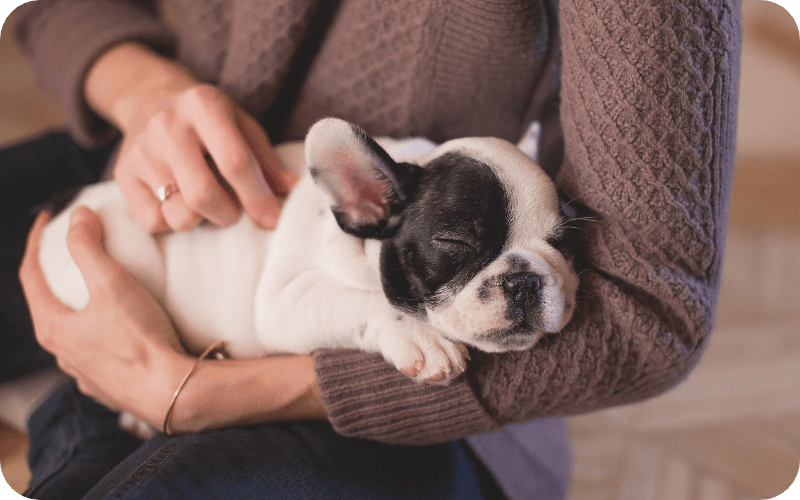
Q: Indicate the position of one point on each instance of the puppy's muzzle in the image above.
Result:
(523, 294)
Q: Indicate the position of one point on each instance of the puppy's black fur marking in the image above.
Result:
(455, 223)
(485, 290)
(516, 264)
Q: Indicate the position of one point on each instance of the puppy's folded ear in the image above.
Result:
(367, 189)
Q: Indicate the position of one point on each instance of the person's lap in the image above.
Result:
(76, 443)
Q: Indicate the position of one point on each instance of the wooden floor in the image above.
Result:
(731, 431)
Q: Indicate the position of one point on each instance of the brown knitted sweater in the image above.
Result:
(648, 94)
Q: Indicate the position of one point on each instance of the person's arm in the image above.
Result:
(648, 109)
(169, 121)
(123, 350)
(248, 391)
(109, 73)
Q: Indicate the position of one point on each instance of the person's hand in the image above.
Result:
(171, 123)
(122, 349)
(124, 352)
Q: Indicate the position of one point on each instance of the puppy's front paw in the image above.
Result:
(422, 353)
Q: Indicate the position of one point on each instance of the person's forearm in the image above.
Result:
(248, 391)
(121, 82)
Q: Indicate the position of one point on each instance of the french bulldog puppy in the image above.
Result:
(377, 248)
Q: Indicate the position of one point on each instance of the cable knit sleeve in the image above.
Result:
(62, 38)
(648, 110)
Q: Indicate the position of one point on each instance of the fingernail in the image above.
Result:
(273, 211)
(289, 181)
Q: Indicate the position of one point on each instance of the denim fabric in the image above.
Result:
(76, 443)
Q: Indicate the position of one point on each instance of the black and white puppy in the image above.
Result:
(377, 249)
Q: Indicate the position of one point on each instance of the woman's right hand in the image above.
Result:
(170, 122)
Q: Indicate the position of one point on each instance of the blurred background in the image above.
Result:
(731, 431)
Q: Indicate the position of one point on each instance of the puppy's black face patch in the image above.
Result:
(455, 224)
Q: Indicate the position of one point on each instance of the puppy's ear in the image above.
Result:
(367, 190)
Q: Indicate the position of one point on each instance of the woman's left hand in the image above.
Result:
(121, 349)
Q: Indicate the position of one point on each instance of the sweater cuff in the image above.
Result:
(65, 39)
(366, 397)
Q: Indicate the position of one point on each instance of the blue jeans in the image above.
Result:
(78, 451)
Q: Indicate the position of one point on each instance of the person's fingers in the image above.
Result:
(85, 243)
(154, 173)
(142, 202)
(277, 176)
(199, 191)
(219, 131)
(178, 215)
(34, 283)
(289, 179)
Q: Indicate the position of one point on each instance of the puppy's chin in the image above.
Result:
(506, 340)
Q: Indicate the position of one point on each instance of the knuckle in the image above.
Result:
(46, 337)
(200, 196)
(150, 220)
(235, 163)
(201, 95)
(185, 222)
(159, 124)
(83, 387)
(64, 367)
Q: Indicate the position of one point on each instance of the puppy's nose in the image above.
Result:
(521, 288)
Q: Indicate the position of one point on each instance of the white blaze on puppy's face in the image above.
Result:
(481, 314)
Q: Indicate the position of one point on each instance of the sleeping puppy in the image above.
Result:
(377, 248)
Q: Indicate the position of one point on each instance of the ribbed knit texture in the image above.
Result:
(648, 112)
(365, 396)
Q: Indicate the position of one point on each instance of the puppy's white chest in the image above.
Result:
(308, 242)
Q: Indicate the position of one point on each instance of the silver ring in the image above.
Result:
(165, 192)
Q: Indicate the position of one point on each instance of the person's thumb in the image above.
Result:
(85, 243)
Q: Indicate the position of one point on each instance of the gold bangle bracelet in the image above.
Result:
(216, 345)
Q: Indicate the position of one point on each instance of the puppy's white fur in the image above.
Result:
(308, 285)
